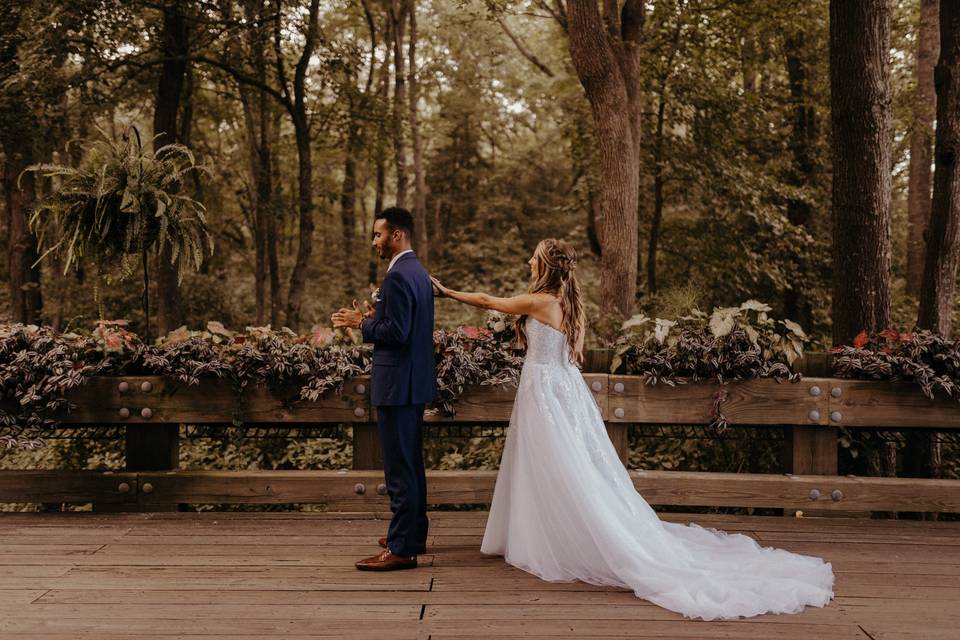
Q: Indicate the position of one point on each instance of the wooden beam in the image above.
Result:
(813, 401)
(339, 489)
(117, 488)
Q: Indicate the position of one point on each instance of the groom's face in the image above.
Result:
(385, 240)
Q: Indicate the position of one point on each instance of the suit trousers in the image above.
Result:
(401, 438)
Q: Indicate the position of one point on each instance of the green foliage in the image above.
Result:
(733, 343)
(921, 357)
(122, 200)
(38, 367)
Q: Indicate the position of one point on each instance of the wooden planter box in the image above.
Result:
(152, 408)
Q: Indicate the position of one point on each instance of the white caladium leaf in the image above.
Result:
(662, 329)
(721, 322)
(793, 326)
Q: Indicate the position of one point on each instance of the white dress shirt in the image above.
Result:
(394, 259)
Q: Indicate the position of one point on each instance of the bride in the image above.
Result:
(564, 507)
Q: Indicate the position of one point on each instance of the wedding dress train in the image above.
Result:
(564, 508)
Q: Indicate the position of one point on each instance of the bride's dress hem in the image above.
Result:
(564, 509)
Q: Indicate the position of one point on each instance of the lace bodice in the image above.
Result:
(546, 345)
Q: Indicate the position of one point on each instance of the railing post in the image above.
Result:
(367, 454)
(153, 447)
(618, 431)
(811, 450)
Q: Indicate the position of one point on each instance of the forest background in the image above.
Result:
(690, 157)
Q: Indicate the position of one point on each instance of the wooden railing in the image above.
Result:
(152, 408)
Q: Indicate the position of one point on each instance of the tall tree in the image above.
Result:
(421, 238)
(174, 50)
(860, 114)
(19, 135)
(672, 47)
(803, 171)
(398, 12)
(921, 142)
(943, 246)
(259, 117)
(606, 55)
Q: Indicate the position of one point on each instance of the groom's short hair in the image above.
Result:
(398, 218)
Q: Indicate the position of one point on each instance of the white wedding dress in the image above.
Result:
(564, 508)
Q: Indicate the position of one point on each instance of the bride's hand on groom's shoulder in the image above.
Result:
(439, 290)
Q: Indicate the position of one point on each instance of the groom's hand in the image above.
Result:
(369, 312)
(351, 318)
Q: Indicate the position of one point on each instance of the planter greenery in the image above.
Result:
(38, 367)
(732, 343)
(119, 203)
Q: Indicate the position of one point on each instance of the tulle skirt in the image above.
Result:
(564, 508)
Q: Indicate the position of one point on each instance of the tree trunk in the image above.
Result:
(256, 110)
(421, 238)
(301, 126)
(860, 103)
(605, 54)
(803, 173)
(174, 47)
(658, 156)
(398, 18)
(348, 202)
(943, 247)
(24, 279)
(657, 193)
(921, 143)
(383, 92)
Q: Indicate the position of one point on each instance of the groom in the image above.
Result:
(402, 381)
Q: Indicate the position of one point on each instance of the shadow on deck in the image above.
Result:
(291, 575)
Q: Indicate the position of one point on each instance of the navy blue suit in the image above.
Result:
(402, 381)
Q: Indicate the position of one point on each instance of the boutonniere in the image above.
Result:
(376, 295)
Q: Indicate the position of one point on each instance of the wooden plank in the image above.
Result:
(186, 611)
(648, 629)
(866, 403)
(19, 596)
(267, 597)
(67, 486)
(748, 402)
(641, 610)
(400, 627)
(795, 492)
(212, 401)
(897, 405)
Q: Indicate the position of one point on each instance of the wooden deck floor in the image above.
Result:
(271, 575)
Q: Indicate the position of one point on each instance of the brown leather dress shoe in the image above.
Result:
(387, 561)
(383, 543)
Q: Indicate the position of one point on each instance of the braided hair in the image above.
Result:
(556, 262)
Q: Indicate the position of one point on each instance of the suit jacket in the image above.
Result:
(401, 330)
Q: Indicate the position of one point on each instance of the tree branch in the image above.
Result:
(526, 53)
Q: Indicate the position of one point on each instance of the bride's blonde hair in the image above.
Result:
(556, 262)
